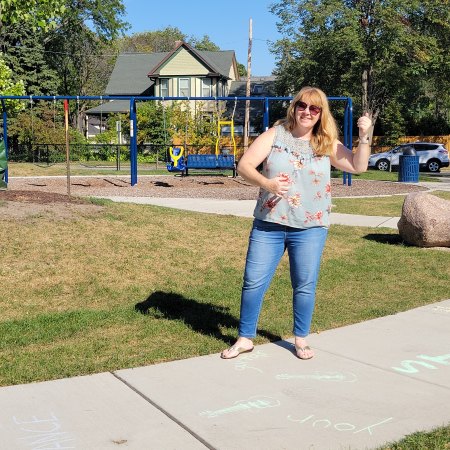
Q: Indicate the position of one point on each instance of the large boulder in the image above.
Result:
(425, 220)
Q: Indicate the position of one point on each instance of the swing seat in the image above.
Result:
(176, 160)
(201, 162)
(210, 162)
(225, 161)
(180, 167)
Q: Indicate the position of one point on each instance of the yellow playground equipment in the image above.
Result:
(176, 161)
(223, 159)
(220, 124)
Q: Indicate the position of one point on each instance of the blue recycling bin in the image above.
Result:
(408, 169)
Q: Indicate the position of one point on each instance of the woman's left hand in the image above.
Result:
(364, 123)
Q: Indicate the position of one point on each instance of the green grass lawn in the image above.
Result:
(76, 284)
(437, 439)
(377, 206)
(379, 175)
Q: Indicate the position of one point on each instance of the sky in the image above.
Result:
(226, 24)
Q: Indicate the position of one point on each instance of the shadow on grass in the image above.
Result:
(390, 239)
(204, 318)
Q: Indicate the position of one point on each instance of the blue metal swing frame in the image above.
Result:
(347, 129)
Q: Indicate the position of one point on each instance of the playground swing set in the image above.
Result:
(179, 159)
(224, 158)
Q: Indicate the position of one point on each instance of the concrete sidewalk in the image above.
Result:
(244, 208)
(369, 383)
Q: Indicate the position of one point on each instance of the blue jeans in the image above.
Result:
(267, 244)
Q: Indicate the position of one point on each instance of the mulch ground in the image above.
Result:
(54, 189)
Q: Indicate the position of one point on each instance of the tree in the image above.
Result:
(151, 41)
(77, 49)
(429, 90)
(76, 44)
(241, 70)
(25, 55)
(371, 50)
(9, 87)
(204, 44)
(37, 13)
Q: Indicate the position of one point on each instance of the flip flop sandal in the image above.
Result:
(302, 350)
(239, 350)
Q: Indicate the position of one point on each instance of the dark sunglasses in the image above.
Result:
(313, 109)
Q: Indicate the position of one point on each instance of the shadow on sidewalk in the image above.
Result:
(204, 318)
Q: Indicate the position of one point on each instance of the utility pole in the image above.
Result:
(247, 92)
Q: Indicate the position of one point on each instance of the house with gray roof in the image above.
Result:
(182, 72)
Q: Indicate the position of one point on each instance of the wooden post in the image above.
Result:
(66, 120)
(247, 93)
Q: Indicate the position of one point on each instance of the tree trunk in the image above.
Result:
(367, 106)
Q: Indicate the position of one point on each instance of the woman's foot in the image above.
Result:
(242, 345)
(302, 349)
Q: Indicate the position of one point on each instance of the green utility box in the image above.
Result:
(3, 165)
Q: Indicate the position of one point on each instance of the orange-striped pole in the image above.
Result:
(66, 119)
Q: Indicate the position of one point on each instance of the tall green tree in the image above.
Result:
(10, 87)
(77, 49)
(242, 70)
(429, 90)
(151, 41)
(25, 55)
(76, 46)
(204, 44)
(37, 13)
(371, 50)
(162, 41)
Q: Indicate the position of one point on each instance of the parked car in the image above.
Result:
(432, 156)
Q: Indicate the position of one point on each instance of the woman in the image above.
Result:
(293, 208)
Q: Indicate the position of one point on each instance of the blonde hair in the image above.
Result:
(325, 131)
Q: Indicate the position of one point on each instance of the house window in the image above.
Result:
(164, 87)
(222, 90)
(184, 86)
(206, 87)
(258, 89)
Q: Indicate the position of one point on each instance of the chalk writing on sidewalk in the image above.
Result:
(43, 433)
(341, 426)
(252, 404)
(245, 360)
(442, 308)
(408, 365)
(346, 377)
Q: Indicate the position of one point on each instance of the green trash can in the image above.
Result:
(3, 165)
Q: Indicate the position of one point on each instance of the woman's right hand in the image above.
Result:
(278, 186)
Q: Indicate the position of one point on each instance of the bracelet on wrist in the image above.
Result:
(364, 140)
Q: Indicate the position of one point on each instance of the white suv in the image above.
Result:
(432, 156)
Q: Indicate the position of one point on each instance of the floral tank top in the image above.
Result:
(307, 203)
